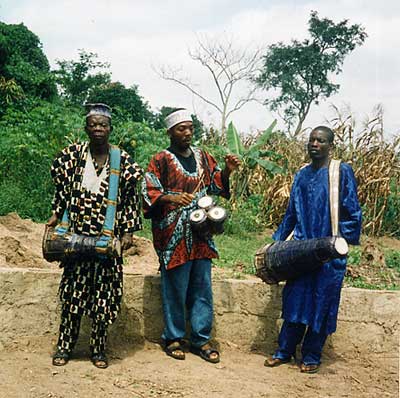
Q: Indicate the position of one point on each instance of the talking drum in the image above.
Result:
(216, 217)
(198, 222)
(285, 260)
(67, 246)
(205, 202)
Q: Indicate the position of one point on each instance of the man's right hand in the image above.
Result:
(182, 199)
(52, 221)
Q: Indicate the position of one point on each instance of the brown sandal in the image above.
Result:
(272, 362)
(100, 360)
(312, 368)
(60, 358)
(175, 350)
(205, 352)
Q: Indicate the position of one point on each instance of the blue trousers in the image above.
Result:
(186, 291)
(291, 335)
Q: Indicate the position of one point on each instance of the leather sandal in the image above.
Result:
(175, 350)
(205, 352)
(272, 362)
(61, 357)
(312, 368)
(100, 360)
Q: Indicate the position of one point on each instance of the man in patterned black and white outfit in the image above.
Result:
(92, 287)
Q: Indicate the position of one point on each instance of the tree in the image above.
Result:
(23, 65)
(10, 92)
(300, 72)
(127, 101)
(229, 69)
(76, 79)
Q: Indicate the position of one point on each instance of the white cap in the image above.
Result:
(177, 117)
(98, 109)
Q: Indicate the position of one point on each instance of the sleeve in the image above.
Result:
(290, 218)
(131, 220)
(219, 184)
(350, 218)
(152, 188)
(61, 171)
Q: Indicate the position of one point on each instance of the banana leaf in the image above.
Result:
(234, 143)
(264, 137)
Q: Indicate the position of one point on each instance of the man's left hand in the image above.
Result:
(126, 241)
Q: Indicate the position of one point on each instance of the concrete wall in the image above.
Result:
(246, 314)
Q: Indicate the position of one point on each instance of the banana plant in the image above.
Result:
(251, 157)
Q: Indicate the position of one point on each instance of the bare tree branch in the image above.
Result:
(227, 66)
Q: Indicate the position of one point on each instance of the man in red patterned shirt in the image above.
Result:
(175, 179)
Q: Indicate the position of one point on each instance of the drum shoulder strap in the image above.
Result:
(108, 227)
(115, 165)
(334, 179)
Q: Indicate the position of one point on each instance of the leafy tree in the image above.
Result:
(23, 62)
(126, 102)
(10, 92)
(76, 79)
(300, 72)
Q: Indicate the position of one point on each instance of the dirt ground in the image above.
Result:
(26, 370)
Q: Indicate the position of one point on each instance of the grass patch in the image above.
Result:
(237, 251)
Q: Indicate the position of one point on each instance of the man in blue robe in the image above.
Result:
(310, 303)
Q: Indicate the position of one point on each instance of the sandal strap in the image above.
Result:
(210, 351)
(99, 357)
(174, 346)
(61, 354)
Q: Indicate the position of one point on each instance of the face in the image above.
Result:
(181, 135)
(98, 129)
(318, 145)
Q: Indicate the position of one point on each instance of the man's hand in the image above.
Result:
(232, 162)
(126, 241)
(52, 221)
(182, 199)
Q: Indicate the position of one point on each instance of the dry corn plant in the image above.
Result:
(375, 161)
(276, 190)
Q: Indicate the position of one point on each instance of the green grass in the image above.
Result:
(362, 284)
(392, 259)
(237, 251)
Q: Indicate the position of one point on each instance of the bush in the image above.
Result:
(30, 141)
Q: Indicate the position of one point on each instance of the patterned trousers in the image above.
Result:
(69, 332)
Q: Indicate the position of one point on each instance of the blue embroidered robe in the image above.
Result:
(313, 299)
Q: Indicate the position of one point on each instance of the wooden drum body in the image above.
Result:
(216, 217)
(285, 260)
(66, 246)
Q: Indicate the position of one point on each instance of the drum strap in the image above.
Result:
(108, 227)
(334, 179)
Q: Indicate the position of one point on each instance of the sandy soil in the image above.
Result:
(148, 372)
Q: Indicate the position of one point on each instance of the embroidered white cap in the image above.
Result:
(98, 109)
(182, 115)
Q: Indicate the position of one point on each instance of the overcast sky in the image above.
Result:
(133, 36)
